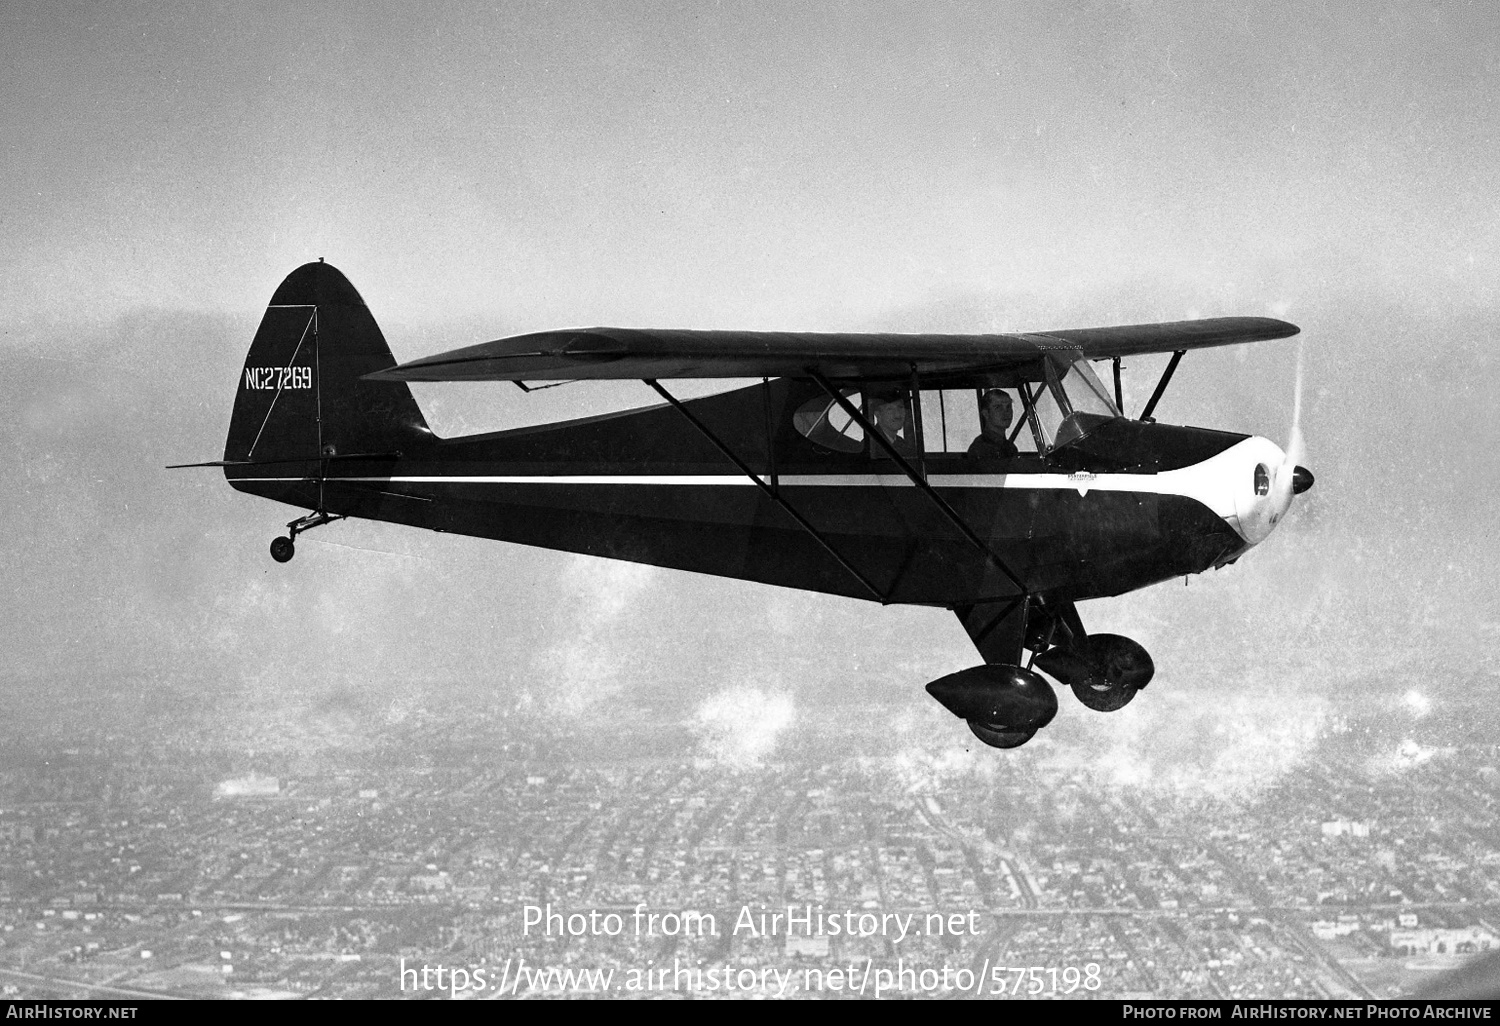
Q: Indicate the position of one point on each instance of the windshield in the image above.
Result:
(1072, 401)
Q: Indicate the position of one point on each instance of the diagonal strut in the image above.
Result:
(773, 493)
(921, 483)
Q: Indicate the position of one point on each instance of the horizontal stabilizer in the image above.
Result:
(272, 463)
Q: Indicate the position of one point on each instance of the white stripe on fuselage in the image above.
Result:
(1212, 482)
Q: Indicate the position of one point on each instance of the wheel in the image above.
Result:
(282, 549)
(1121, 661)
(997, 736)
(997, 695)
(1104, 670)
(1100, 695)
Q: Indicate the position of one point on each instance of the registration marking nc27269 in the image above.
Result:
(278, 378)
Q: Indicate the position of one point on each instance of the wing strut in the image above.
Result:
(1161, 386)
(918, 480)
(774, 493)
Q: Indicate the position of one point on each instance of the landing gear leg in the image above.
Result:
(283, 549)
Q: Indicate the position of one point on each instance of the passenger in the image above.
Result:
(993, 443)
(891, 416)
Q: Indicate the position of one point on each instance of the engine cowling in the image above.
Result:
(999, 696)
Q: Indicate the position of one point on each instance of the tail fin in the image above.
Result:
(301, 395)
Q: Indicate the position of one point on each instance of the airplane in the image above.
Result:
(845, 470)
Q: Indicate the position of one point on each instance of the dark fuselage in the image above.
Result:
(648, 486)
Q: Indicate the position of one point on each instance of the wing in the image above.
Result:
(618, 353)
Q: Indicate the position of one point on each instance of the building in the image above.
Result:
(252, 785)
(1463, 940)
(1341, 827)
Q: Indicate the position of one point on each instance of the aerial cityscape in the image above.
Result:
(204, 859)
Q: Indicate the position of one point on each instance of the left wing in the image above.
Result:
(621, 353)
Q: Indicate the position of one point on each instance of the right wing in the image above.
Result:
(636, 353)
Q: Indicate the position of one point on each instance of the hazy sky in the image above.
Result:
(478, 170)
(744, 163)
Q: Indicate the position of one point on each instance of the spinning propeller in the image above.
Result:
(1277, 476)
(1291, 478)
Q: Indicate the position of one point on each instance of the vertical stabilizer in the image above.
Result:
(301, 395)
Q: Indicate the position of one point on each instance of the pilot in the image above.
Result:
(891, 416)
(993, 443)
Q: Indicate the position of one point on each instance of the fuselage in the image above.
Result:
(1129, 505)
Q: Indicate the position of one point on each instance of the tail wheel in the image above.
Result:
(998, 736)
(1101, 695)
(283, 549)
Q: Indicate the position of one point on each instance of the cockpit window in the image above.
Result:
(891, 415)
(951, 420)
(889, 410)
(1068, 402)
(825, 423)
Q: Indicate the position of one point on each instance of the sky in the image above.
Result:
(483, 170)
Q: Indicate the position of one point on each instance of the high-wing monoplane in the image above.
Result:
(851, 468)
